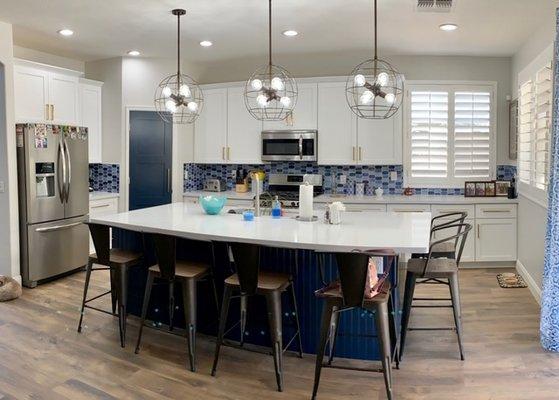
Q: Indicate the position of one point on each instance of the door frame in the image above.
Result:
(176, 167)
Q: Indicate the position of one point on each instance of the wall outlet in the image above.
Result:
(393, 175)
(343, 179)
(185, 175)
(234, 174)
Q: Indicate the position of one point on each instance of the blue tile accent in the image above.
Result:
(104, 177)
(506, 172)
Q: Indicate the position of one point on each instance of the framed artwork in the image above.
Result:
(513, 129)
(480, 189)
(490, 189)
(470, 189)
(502, 188)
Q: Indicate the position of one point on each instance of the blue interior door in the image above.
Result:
(151, 141)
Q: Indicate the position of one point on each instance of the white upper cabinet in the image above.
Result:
(337, 126)
(42, 95)
(63, 96)
(31, 94)
(210, 130)
(305, 114)
(379, 141)
(90, 97)
(243, 130)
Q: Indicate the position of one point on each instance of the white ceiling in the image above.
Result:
(238, 28)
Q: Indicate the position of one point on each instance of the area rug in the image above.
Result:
(511, 280)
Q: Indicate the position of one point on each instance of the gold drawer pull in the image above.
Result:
(496, 211)
(409, 210)
(101, 206)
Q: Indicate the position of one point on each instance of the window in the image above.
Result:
(450, 134)
(534, 135)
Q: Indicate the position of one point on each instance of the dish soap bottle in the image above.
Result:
(276, 208)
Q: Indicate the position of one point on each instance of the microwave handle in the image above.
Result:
(301, 146)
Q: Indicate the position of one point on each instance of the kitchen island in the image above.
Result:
(291, 246)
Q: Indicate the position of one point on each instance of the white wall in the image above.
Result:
(532, 216)
(49, 59)
(9, 231)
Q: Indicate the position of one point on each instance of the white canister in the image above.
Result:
(360, 189)
(335, 212)
(306, 201)
(379, 192)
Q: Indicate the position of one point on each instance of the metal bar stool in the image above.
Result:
(436, 268)
(350, 293)
(117, 261)
(249, 281)
(169, 270)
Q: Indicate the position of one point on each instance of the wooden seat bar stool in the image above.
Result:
(437, 269)
(169, 271)
(117, 262)
(349, 294)
(249, 280)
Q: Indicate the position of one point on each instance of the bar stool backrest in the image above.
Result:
(101, 241)
(352, 272)
(461, 236)
(166, 253)
(247, 264)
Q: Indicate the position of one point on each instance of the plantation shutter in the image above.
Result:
(525, 133)
(429, 134)
(472, 134)
(542, 127)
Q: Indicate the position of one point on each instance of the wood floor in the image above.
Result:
(43, 357)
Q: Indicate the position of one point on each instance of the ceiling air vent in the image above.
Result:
(434, 5)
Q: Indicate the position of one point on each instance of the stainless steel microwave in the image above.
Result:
(297, 145)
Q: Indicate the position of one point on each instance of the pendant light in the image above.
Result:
(178, 98)
(271, 92)
(374, 89)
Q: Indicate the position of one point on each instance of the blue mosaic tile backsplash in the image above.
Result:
(104, 177)
(373, 176)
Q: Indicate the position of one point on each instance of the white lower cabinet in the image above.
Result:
(495, 239)
(101, 207)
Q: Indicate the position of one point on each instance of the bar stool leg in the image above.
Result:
(456, 308)
(273, 300)
(122, 298)
(243, 318)
(114, 291)
(327, 308)
(334, 323)
(294, 303)
(381, 319)
(147, 295)
(189, 302)
(393, 332)
(88, 269)
(408, 299)
(171, 304)
(227, 290)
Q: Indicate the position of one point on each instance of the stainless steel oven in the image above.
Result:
(289, 145)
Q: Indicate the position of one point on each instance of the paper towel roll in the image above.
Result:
(305, 201)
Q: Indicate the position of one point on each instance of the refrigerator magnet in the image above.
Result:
(40, 142)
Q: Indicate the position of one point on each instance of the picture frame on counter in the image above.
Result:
(502, 188)
(480, 189)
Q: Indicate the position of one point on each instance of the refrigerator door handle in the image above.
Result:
(69, 164)
(61, 160)
(58, 227)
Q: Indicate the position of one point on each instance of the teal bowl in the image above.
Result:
(212, 205)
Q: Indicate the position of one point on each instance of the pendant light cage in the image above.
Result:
(270, 93)
(178, 98)
(374, 90)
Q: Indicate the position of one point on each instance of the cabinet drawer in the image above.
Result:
(409, 208)
(365, 207)
(440, 209)
(495, 210)
(103, 207)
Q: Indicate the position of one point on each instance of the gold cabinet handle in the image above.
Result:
(223, 153)
(478, 231)
(47, 112)
(353, 153)
(228, 153)
(360, 154)
(496, 211)
(407, 210)
(52, 112)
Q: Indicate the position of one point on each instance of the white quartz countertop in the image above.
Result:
(403, 232)
(102, 195)
(384, 199)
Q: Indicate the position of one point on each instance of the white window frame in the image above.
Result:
(451, 87)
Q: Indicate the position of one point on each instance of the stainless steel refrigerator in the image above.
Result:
(53, 182)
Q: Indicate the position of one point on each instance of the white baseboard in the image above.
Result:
(532, 285)
(486, 264)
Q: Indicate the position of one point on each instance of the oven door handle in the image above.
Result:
(301, 147)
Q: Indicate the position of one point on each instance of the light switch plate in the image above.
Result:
(185, 175)
(2, 187)
(343, 179)
(393, 175)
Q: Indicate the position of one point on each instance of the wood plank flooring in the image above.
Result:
(43, 357)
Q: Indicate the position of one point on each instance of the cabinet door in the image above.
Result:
(210, 130)
(90, 112)
(31, 94)
(305, 112)
(495, 239)
(337, 126)
(380, 140)
(243, 131)
(63, 95)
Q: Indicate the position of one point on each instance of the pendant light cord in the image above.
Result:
(178, 47)
(375, 12)
(270, 37)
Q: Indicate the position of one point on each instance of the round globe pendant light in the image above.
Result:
(271, 92)
(374, 89)
(178, 98)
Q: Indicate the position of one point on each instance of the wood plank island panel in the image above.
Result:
(42, 355)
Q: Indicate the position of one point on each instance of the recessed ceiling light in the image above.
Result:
(448, 27)
(290, 32)
(205, 43)
(133, 53)
(66, 32)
